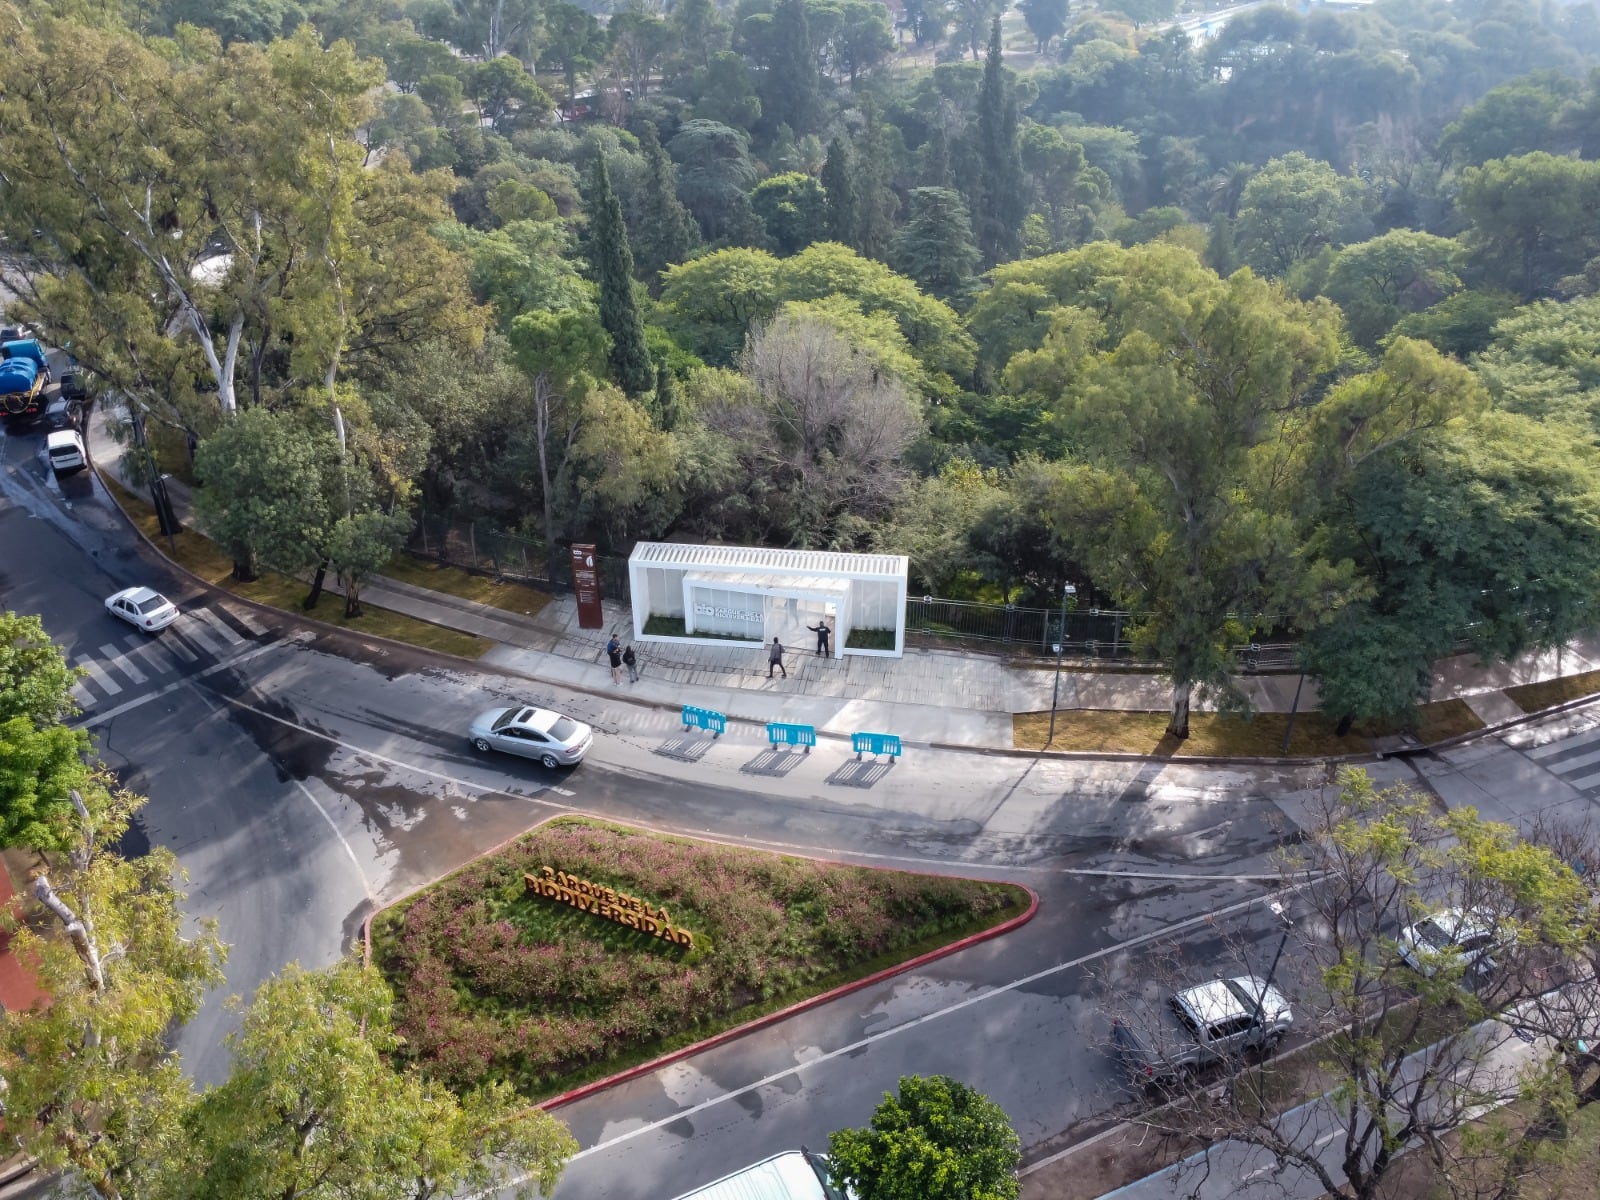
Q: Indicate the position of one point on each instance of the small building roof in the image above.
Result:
(752, 560)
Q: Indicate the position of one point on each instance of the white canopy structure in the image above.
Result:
(751, 595)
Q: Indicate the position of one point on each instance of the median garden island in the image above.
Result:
(584, 948)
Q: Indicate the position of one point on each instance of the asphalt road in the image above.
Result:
(304, 777)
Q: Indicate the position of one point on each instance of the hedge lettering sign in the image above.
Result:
(606, 903)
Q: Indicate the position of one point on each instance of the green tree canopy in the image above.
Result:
(1293, 207)
(935, 1139)
(935, 247)
(1379, 281)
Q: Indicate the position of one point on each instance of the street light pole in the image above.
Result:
(1067, 592)
(1279, 911)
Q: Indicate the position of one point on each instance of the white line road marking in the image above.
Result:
(1587, 781)
(217, 625)
(244, 618)
(150, 653)
(1568, 743)
(102, 718)
(200, 632)
(115, 658)
(366, 884)
(103, 681)
(83, 696)
(175, 645)
(1572, 764)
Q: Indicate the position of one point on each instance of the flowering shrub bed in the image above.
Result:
(493, 983)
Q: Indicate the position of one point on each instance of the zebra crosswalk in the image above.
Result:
(1576, 759)
(131, 662)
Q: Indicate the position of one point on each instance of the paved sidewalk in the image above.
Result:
(929, 696)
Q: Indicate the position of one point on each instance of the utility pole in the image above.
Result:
(1067, 592)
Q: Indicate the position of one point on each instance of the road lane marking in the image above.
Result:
(175, 646)
(217, 625)
(366, 884)
(138, 701)
(1566, 743)
(82, 695)
(103, 681)
(115, 658)
(244, 618)
(150, 653)
(200, 632)
(883, 1035)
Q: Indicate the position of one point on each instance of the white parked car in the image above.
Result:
(541, 733)
(141, 606)
(66, 451)
(1450, 934)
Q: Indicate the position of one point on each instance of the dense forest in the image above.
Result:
(1288, 329)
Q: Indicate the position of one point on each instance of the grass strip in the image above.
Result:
(1221, 735)
(482, 589)
(200, 555)
(1536, 697)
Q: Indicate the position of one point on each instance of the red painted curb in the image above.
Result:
(801, 1006)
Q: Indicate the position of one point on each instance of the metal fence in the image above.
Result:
(1098, 633)
(480, 545)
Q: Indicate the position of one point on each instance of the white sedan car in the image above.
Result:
(141, 606)
(1448, 936)
(541, 733)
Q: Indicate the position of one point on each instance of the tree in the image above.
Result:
(41, 761)
(622, 471)
(999, 202)
(794, 209)
(1460, 325)
(1541, 362)
(91, 1069)
(970, 21)
(1293, 207)
(728, 93)
(313, 1108)
(1046, 20)
(789, 87)
(827, 427)
(638, 40)
(701, 30)
(612, 263)
(1407, 1053)
(839, 186)
(1515, 118)
(1183, 393)
(574, 42)
(1532, 219)
(664, 231)
(861, 38)
(411, 59)
(506, 94)
(556, 351)
(715, 175)
(936, 1139)
(1379, 281)
(263, 473)
(359, 545)
(878, 152)
(935, 246)
(493, 27)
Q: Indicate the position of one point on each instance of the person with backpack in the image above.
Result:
(631, 661)
(775, 658)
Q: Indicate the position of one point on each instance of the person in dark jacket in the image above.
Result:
(822, 631)
(614, 653)
(775, 658)
(631, 661)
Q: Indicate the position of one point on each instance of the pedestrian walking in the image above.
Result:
(614, 653)
(775, 658)
(631, 661)
(822, 632)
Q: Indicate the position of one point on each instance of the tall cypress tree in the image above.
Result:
(666, 232)
(999, 205)
(790, 95)
(839, 182)
(613, 270)
(876, 159)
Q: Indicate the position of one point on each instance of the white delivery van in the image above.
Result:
(66, 451)
(793, 1175)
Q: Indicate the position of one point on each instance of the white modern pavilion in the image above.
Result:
(745, 594)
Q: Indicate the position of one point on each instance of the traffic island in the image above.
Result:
(586, 952)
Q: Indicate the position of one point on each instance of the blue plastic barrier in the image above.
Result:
(876, 744)
(791, 735)
(704, 718)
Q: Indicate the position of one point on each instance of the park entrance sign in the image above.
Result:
(750, 595)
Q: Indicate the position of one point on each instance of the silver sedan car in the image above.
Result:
(540, 733)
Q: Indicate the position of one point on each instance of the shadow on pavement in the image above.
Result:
(775, 763)
(685, 749)
(859, 774)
